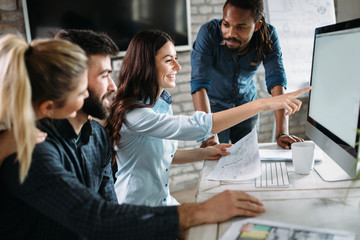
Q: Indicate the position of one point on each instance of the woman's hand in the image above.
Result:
(286, 101)
(40, 136)
(215, 152)
(8, 143)
(211, 141)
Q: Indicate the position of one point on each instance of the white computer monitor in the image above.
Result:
(334, 100)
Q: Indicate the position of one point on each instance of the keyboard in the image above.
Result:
(273, 174)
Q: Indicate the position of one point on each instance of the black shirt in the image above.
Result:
(69, 193)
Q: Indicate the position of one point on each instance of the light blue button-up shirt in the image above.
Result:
(146, 149)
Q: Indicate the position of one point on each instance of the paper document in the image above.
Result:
(243, 163)
(258, 229)
(284, 154)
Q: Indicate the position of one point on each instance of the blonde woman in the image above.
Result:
(46, 78)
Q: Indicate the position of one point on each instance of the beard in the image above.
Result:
(93, 105)
(235, 40)
(241, 49)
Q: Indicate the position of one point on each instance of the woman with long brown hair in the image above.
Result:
(144, 132)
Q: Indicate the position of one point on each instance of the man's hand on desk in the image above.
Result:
(285, 140)
(219, 208)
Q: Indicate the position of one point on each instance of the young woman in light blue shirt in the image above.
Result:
(144, 132)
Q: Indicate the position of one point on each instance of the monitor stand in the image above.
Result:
(329, 171)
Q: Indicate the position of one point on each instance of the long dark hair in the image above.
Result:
(261, 39)
(137, 80)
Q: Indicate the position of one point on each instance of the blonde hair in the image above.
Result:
(46, 69)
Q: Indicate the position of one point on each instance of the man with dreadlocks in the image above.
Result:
(226, 54)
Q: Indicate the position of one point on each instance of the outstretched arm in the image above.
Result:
(228, 118)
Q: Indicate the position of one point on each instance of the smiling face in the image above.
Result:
(167, 66)
(101, 86)
(237, 27)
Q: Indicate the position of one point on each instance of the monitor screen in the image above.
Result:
(334, 101)
(121, 20)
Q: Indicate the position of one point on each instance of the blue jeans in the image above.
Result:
(236, 132)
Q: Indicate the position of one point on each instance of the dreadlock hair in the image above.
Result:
(261, 39)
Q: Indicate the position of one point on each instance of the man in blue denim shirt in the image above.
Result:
(226, 54)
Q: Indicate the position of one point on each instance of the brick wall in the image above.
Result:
(11, 17)
(181, 176)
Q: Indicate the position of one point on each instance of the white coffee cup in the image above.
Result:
(303, 156)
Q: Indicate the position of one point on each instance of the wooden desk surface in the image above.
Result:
(308, 201)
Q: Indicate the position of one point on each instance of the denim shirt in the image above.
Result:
(227, 77)
(146, 149)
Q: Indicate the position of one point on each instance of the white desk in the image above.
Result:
(309, 201)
